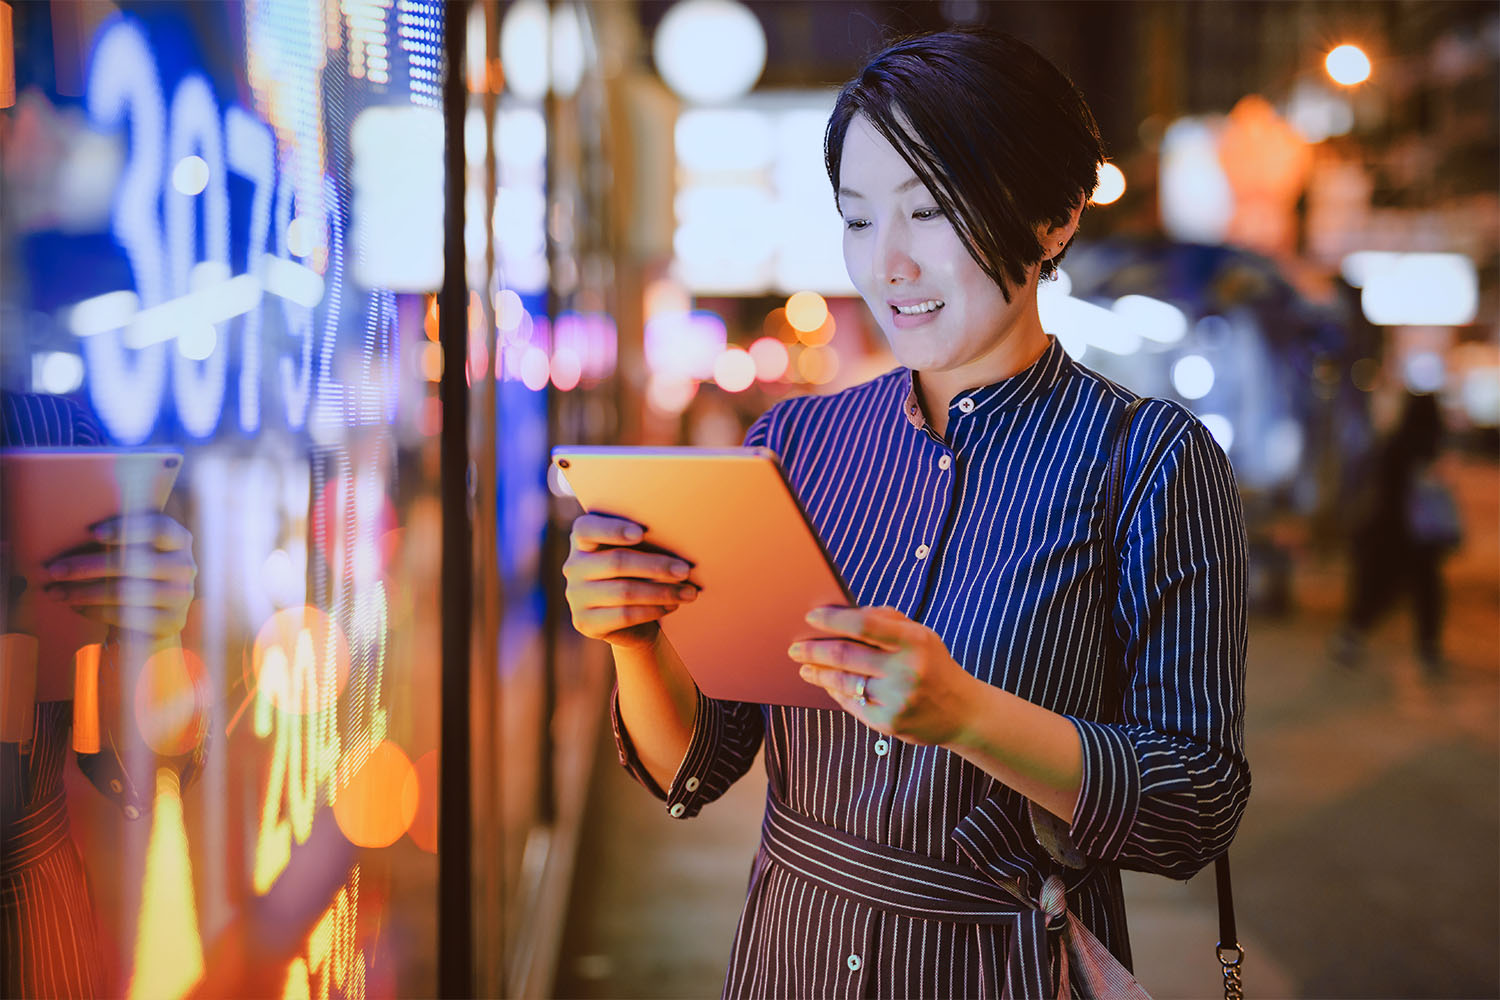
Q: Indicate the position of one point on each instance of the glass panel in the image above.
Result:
(222, 220)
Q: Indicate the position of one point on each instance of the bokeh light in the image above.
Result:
(535, 369)
(709, 51)
(432, 362)
(566, 368)
(424, 825)
(735, 370)
(670, 394)
(806, 311)
(291, 643)
(430, 321)
(379, 803)
(1348, 65)
(819, 335)
(171, 700)
(1109, 185)
(818, 365)
(1193, 376)
(190, 175)
(771, 359)
(665, 296)
(776, 325)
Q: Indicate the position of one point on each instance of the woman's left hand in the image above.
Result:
(913, 689)
(138, 575)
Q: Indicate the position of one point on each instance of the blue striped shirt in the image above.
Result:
(996, 539)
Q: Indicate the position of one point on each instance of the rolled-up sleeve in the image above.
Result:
(726, 737)
(1164, 787)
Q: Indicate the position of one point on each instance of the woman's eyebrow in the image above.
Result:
(901, 188)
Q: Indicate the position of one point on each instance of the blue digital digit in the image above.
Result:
(252, 154)
(198, 387)
(126, 386)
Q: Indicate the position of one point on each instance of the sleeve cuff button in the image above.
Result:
(691, 784)
(677, 810)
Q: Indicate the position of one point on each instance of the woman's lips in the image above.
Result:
(908, 320)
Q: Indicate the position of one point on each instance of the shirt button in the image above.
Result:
(922, 551)
(882, 748)
(854, 963)
(944, 462)
(677, 810)
(132, 813)
(691, 784)
(966, 404)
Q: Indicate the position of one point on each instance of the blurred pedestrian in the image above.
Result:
(1017, 722)
(1407, 523)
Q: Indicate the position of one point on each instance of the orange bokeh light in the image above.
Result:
(806, 311)
(818, 365)
(292, 642)
(819, 335)
(776, 325)
(171, 701)
(380, 801)
(424, 825)
(430, 323)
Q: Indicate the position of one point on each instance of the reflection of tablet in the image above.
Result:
(759, 563)
(49, 499)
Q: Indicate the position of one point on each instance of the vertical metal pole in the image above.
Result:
(455, 904)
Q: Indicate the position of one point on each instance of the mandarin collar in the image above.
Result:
(1008, 393)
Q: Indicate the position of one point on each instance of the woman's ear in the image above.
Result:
(1054, 238)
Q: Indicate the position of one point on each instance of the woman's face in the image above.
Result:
(939, 310)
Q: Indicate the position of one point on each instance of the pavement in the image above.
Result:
(1367, 864)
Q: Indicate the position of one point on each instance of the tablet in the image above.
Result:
(49, 499)
(759, 563)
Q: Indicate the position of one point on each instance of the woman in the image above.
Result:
(1017, 723)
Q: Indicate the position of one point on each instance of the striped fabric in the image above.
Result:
(996, 540)
(48, 939)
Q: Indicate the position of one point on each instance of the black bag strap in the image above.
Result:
(1229, 952)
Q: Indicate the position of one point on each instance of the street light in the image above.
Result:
(1348, 65)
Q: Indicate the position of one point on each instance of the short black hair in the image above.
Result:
(1002, 139)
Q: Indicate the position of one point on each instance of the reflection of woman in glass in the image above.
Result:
(1018, 724)
(47, 927)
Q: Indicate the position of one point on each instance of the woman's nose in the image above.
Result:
(897, 265)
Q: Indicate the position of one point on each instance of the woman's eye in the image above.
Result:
(855, 224)
(924, 214)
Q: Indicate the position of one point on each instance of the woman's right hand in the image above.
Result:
(618, 592)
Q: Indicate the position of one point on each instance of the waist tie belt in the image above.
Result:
(35, 834)
(929, 888)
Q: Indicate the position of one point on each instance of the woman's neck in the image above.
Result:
(1018, 349)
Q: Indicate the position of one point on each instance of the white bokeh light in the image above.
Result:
(1348, 65)
(525, 34)
(1109, 185)
(1193, 376)
(710, 51)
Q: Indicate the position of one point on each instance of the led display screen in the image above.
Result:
(222, 222)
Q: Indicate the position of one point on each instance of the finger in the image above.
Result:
(153, 622)
(134, 561)
(599, 622)
(884, 627)
(620, 563)
(842, 686)
(132, 592)
(590, 531)
(144, 528)
(843, 655)
(623, 593)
